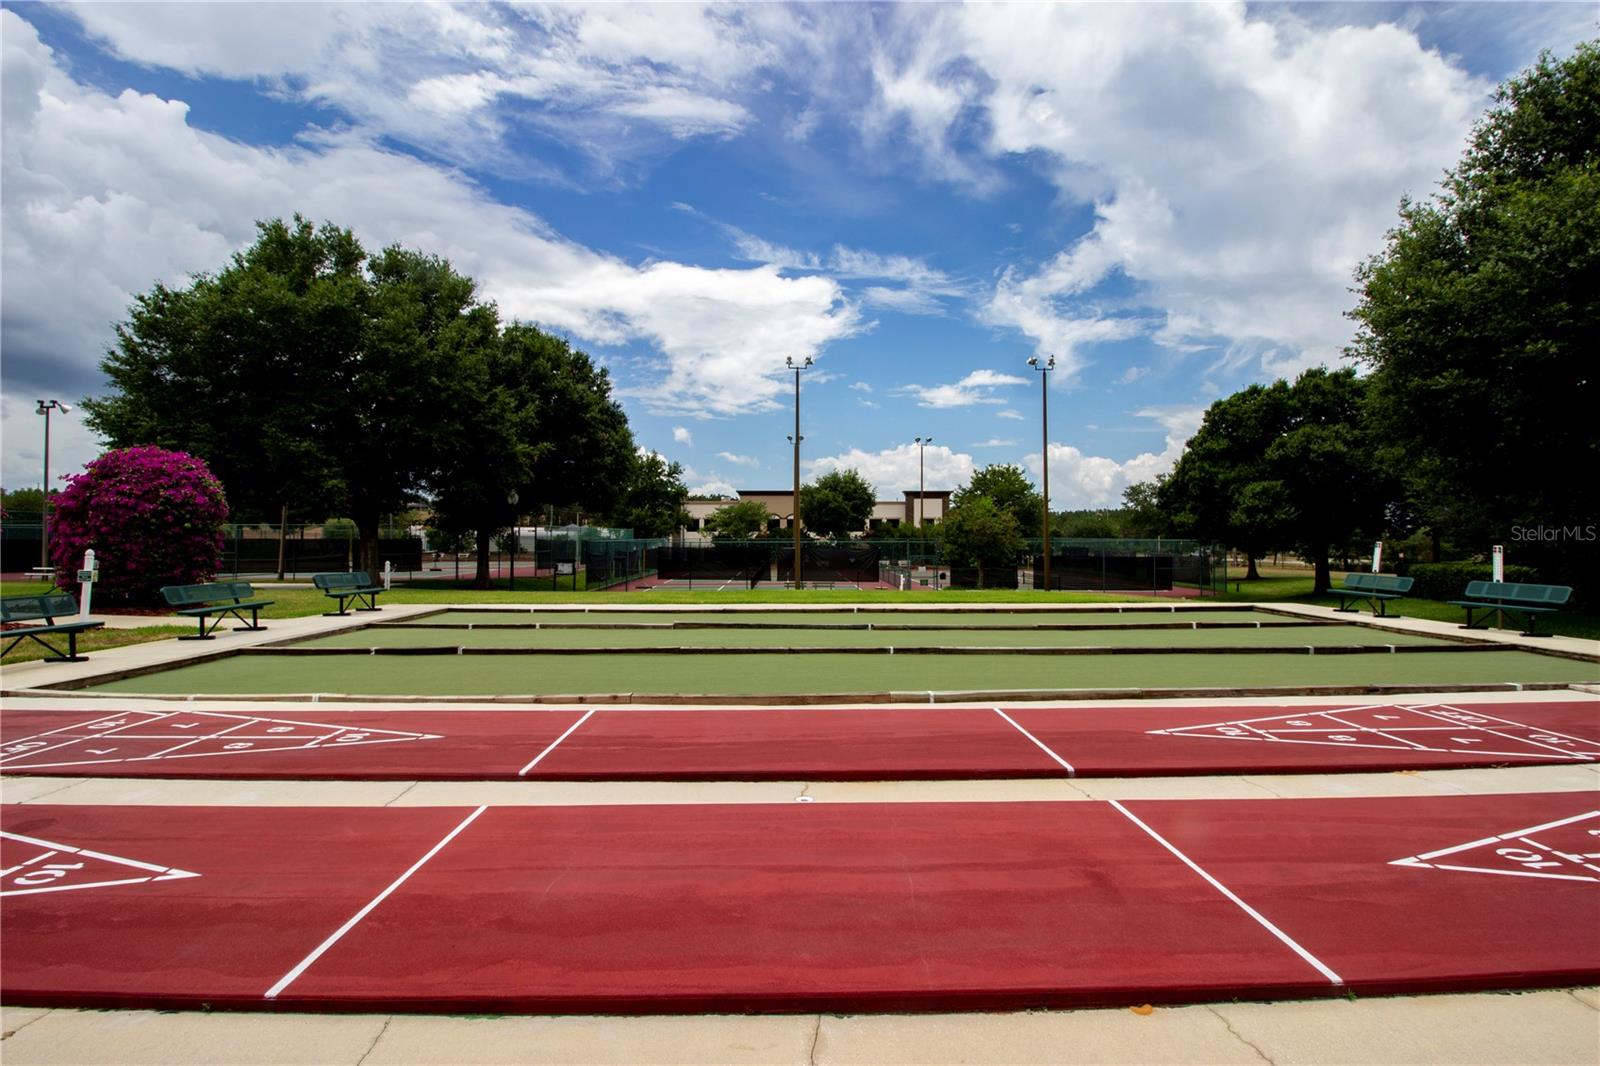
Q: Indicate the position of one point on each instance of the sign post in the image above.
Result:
(1377, 556)
(86, 578)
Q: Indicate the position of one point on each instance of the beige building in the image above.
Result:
(780, 509)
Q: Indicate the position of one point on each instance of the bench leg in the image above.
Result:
(254, 623)
(204, 634)
(341, 612)
(72, 655)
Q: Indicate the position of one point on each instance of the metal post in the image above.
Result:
(44, 408)
(922, 442)
(1044, 451)
(512, 498)
(797, 438)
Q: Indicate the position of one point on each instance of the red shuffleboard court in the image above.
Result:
(775, 907)
(807, 743)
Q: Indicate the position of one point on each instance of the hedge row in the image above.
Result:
(1447, 581)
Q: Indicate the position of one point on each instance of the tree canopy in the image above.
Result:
(738, 521)
(652, 496)
(1010, 490)
(1283, 465)
(982, 534)
(243, 367)
(313, 378)
(1480, 319)
(837, 504)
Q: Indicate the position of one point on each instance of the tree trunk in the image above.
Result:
(1437, 539)
(366, 556)
(283, 537)
(1324, 579)
(480, 580)
(1250, 573)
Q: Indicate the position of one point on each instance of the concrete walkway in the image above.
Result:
(1554, 1027)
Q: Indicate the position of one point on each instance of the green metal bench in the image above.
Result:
(356, 586)
(1495, 598)
(1376, 590)
(219, 599)
(45, 609)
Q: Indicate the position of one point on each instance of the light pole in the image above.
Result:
(922, 442)
(512, 498)
(1044, 451)
(45, 407)
(797, 438)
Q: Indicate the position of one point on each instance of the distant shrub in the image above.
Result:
(1447, 581)
(153, 518)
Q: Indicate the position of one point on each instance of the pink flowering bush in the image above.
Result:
(153, 518)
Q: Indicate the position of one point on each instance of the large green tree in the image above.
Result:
(406, 404)
(537, 419)
(1480, 320)
(837, 504)
(652, 498)
(241, 367)
(1221, 486)
(738, 521)
(1141, 508)
(1010, 490)
(1290, 465)
(309, 378)
(982, 534)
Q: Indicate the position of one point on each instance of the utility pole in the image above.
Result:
(797, 438)
(45, 407)
(1044, 451)
(922, 442)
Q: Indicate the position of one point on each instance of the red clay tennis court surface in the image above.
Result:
(836, 907)
(813, 743)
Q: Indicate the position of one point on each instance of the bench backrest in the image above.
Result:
(1519, 592)
(355, 579)
(215, 592)
(49, 607)
(1368, 582)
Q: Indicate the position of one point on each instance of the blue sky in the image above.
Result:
(1168, 198)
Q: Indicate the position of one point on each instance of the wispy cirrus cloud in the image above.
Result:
(978, 387)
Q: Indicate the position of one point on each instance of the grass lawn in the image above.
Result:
(1296, 588)
(95, 640)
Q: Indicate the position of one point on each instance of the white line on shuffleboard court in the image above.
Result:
(523, 772)
(1064, 763)
(1241, 904)
(287, 979)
